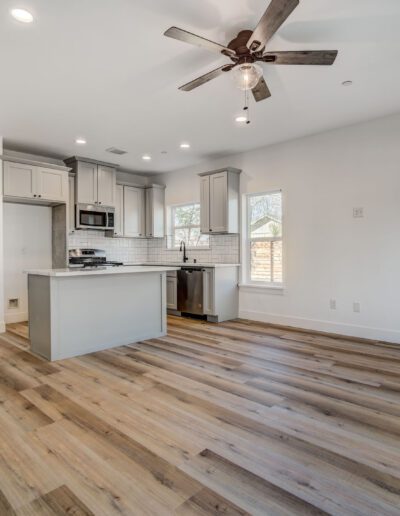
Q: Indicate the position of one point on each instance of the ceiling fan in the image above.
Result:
(249, 47)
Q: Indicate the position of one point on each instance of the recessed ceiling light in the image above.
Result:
(146, 157)
(81, 141)
(185, 145)
(347, 83)
(241, 119)
(22, 15)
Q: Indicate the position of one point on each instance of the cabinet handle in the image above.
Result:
(34, 195)
(39, 196)
(99, 202)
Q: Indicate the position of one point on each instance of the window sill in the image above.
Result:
(268, 289)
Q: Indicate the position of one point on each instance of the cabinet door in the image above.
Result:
(208, 292)
(52, 185)
(86, 183)
(106, 182)
(155, 212)
(71, 204)
(219, 203)
(172, 294)
(133, 211)
(19, 180)
(119, 211)
(205, 204)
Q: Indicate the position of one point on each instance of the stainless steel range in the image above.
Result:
(90, 259)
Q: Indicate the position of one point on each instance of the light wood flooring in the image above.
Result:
(233, 419)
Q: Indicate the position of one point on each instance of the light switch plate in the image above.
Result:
(358, 213)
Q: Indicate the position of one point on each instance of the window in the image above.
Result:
(185, 225)
(264, 239)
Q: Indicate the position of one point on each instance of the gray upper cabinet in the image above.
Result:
(119, 211)
(86, 183)
(71, 204)
(134, 212)
(155, 211)
(95, 182)
(220, 201)
(35, 182)
(106, 182)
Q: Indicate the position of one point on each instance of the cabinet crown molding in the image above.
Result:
(25, 161)
(74, 159)
(233, 170)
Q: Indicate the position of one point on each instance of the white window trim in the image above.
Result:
(171, 229)
(246, 250)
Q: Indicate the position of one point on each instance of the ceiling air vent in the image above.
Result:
(115, 150)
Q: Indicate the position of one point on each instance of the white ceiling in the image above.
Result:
(103, 70)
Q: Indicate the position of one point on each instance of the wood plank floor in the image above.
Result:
(233, 419)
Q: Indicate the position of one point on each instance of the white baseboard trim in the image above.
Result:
(15, 317)
(351, 330)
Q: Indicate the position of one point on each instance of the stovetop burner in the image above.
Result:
(90, 259)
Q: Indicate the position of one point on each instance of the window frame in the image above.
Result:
(172, 227)
(249, 240)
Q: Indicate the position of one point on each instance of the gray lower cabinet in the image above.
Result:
(221, 293)
(172, 291)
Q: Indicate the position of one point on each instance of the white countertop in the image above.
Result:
(189, 264)
(134, 269)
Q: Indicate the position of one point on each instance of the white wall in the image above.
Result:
(328, 253)
(2, 323)
(27, 245)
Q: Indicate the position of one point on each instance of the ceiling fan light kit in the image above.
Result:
(249, 47)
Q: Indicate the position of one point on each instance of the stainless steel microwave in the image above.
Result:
(89, 216)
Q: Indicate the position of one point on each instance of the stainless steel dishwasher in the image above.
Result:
(190, 291)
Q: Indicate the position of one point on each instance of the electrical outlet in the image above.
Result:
(332, 304)
(356, 308)
(358, 213)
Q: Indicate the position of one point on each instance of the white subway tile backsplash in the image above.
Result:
(223, 248)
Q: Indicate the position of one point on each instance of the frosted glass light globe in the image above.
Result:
(247, 76)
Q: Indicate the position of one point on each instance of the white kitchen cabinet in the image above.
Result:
(221, 293)
(155, 211)
(119, 211)
(208, 291)
(205, 204)
(172, 291)
(86, 183)
(106, 182)
(134, 211)
(71, 204)
(19, 180)
(52, 184)
(32, 182)
(95, 182)
(219, 201)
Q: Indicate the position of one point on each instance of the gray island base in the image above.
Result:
(73, 313)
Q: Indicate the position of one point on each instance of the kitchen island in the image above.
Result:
(75, 312)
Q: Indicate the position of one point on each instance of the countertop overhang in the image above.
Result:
(63, 273)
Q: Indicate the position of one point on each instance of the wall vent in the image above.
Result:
(13, 303)
(115, 150)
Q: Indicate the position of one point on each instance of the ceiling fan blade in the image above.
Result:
(261, 91)
(193, 39)
(206, 78)
(277, 12)
(306, 57)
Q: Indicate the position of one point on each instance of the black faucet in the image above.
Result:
(183, 248)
